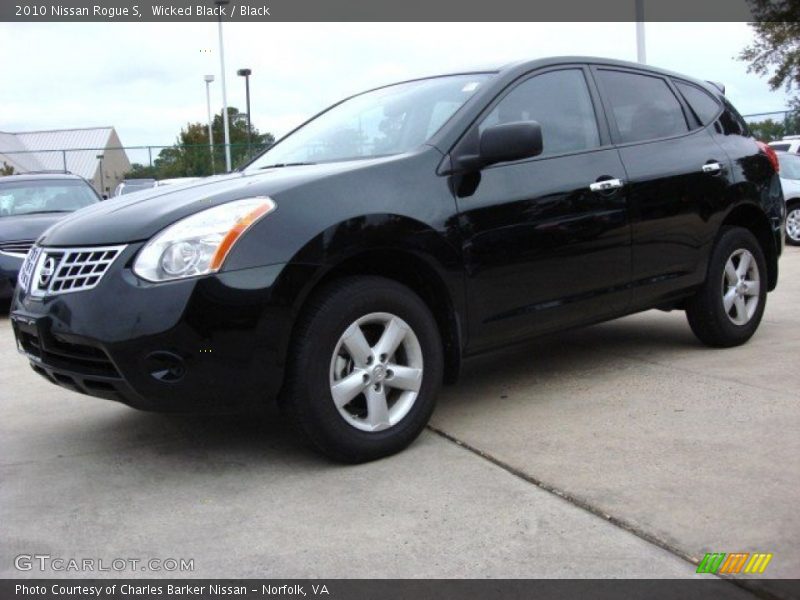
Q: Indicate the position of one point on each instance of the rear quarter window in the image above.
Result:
(703, 105)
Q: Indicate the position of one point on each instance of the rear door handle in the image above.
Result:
(606, 185)
(712, 167)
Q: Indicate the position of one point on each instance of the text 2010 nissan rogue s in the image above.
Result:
(349, 269)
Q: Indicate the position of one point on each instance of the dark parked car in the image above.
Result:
(29, 204)
(349, 269)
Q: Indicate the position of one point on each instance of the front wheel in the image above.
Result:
(793, 224)
(727, 310)
(366, 369)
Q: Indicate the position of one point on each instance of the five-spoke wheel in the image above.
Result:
(376, 371)
(741, 287)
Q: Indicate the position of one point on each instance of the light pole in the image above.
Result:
(209, 79)
(220, 4)
(100, 157)
(641, 53)
(246, 74)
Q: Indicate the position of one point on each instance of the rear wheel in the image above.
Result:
(366, 368)
(793, 224)
(727, 310)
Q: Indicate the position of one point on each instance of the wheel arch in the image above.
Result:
(401, 249)
(752, 218)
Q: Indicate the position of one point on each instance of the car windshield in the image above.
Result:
(790, 166)
(390, 120)
(50, 196)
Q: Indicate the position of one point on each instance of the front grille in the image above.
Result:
(59, 271)
(18, 248)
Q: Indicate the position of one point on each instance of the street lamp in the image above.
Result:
(220, 4)
(246, 74)
(209, 79)
(100, 157)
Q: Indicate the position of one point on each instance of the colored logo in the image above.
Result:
(735, 562)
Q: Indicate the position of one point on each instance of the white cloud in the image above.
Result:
(147, 79)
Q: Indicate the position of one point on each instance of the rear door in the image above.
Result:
(543, 250)
(677, 176)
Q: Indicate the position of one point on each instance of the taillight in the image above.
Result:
(770, 152)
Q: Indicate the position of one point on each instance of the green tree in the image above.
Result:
(767, 130)
(140, 171)
(775, 52)
(190, 156)
(6, 170)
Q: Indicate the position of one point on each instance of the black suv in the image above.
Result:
(349, 269)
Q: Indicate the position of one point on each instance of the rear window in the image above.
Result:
(702, 103)
(44, 196)
(781, 147)
(643, 106)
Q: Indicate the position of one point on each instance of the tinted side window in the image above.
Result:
(560, 102)
(732, 122)
(644, 107)
(702, 104)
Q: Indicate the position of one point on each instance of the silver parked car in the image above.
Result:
(790, 181)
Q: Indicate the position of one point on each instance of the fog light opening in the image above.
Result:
(165, 367)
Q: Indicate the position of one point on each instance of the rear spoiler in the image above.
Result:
(719, 86)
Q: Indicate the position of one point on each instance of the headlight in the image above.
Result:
(198, 244)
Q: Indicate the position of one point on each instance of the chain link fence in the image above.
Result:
(106, 167)
(775, 125)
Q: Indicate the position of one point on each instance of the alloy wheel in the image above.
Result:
(376, 372)
(741, 287)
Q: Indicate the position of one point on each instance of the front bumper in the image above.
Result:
(212, 344)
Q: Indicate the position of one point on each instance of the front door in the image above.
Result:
(544, 248)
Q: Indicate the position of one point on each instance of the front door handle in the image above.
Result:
(712, 167)
(606, 185)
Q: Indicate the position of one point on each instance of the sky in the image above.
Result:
(146, 79)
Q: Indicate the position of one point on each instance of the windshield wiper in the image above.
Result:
(291, 164)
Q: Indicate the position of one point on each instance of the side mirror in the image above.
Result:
(504, 143)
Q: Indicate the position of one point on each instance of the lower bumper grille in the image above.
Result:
(59, 354)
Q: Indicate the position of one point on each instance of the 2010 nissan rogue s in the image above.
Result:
(350, 268)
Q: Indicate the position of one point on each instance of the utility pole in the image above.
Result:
(641, 53)
(221, 4)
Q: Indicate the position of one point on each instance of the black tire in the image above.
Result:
(706, 311)
(793, 206)
(307, 397)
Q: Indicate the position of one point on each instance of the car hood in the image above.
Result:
(140, 215)
(27, 227)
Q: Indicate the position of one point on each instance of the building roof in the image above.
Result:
(23, 161)
(83, 146)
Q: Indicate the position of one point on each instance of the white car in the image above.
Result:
(790, 181)
(790, 143)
